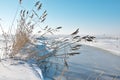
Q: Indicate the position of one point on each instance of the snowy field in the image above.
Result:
(99, 60)
(109, 44)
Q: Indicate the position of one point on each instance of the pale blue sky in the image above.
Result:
(91, 16)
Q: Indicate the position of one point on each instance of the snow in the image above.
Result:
(38, 71)
(92, 63)
(112, 45)
(21, 70)
(18, 70)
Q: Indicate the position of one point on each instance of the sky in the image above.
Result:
(95, 17)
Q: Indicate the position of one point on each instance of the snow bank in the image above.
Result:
(112, 45)
(18, 70)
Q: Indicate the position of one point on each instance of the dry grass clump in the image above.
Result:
(21, 38)
(24, 36)
(25, 27)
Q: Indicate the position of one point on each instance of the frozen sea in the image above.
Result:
(93, 64)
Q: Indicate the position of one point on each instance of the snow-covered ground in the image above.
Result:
(112, 45)
(91, 61)
(18, 70)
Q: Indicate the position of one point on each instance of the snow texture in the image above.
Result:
(18, 70)
(112, 45)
